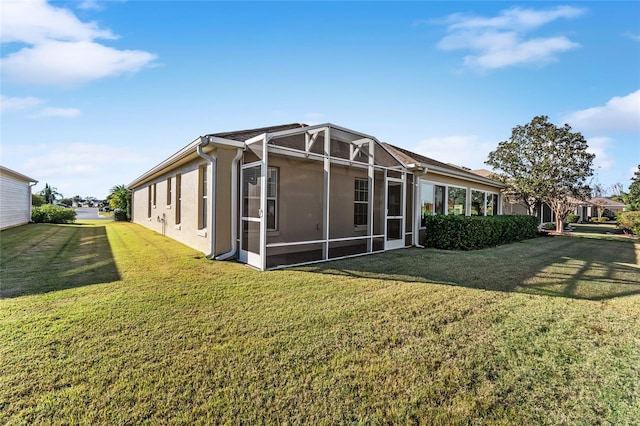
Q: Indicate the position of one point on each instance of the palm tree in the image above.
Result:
(50, 194)
(120, 198)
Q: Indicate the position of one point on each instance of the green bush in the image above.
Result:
(120, 215)
(472, 233)
(48, 213)
(603, 219)
(572, 218)
(630, 221)
(549, 226)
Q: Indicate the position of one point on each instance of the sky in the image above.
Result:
(95, 93)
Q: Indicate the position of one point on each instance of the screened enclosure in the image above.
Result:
(318, 193)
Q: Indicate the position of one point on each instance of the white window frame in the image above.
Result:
(274, 198)
(364, 226)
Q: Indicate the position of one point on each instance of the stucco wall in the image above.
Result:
(188, 231)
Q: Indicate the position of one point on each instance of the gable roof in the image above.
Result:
(603, 201)
(435, 166)
(243, 135)
(16, 175)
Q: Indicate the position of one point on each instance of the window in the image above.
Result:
(202, 197)
(431, 200)
(178, 198)
(149, 200)
(169, 191)
(155, 193)
(477, 203)
(361, 203)
(492, 204)
(483, 203)
(457, 201)
(272, 198)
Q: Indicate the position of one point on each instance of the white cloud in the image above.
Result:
(89, 5)
(71, 63)
(620, 113)
(78, 168)
(632, 36)
(61, 49)
(599, 146)
(35, 21)
(503, 41)
(461, 150)
(57, 112)
(8, 103)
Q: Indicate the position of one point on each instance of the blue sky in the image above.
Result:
(96, 93)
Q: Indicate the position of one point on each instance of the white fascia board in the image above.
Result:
(17, 175)
(183, 153)
(479, 179)
(226, 143)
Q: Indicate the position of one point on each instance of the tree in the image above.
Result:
(37, 200)
(120, 198)
(632, 199)
(546, 163)
(597, 198)
(50, 194)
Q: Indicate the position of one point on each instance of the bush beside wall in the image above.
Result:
(48, 213)
(472, 233)
(572, 218)
(630, 221)
(120, 215)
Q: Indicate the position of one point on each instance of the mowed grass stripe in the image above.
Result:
(402, 337)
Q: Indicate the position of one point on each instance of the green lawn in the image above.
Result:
(109, 323)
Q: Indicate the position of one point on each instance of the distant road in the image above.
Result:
(90, 213)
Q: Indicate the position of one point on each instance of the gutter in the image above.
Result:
(212, 208)
(416, 212)
(212, 159)
(234, 207)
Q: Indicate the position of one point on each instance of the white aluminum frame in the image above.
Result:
(311, 134)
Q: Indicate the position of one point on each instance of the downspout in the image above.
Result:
(31, 185)
(234, 207)
(416, 212)
(212, 160)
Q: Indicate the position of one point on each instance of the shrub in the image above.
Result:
(48, 213)
(630, 221)
(471, 233)
(572, 218)
(549, 226)
(120, 215)
(603, 219)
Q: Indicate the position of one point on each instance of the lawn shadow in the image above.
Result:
(577, 268)
(42, 258)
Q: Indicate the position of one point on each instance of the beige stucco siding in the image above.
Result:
(223, 199)
(300, 200)
(163, 215)
(448, 180)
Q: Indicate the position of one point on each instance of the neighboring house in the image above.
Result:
(510, 204)
(15, 198)
(294, 194)
(589, 208)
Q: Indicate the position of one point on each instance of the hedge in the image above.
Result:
(472, 233)
(630, 221)
(572, 218)
(120, 215)
(49, 213)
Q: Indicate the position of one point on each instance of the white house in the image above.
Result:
(15, 198)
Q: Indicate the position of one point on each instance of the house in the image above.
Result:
(15, 198)
(294, 194)
(589, 208)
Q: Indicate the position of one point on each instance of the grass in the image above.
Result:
(109, 323)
